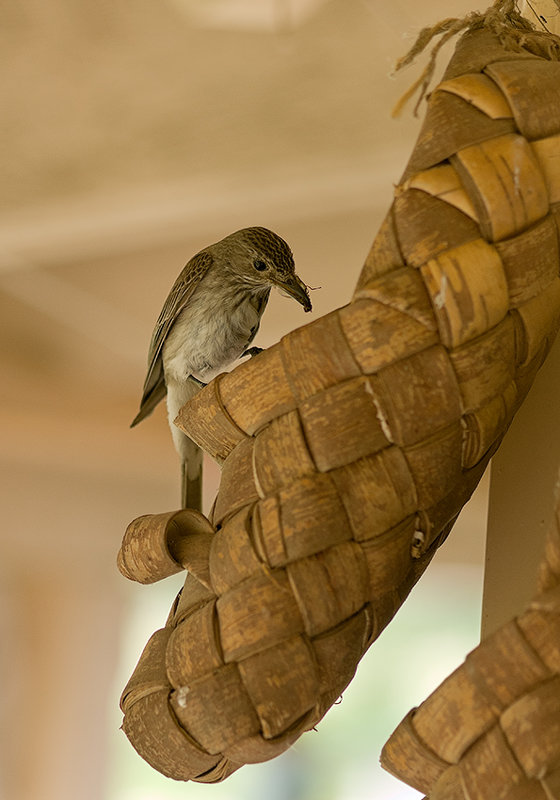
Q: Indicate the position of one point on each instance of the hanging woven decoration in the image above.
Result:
(492, 729)
(349, 448)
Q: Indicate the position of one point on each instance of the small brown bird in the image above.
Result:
(209, 319)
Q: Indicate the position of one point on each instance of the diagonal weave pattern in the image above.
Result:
(492, 729)
(349, 448)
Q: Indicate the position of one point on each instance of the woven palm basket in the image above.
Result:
(349, 448)
(492, 729)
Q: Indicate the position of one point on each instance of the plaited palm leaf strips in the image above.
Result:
(492, 729)
(349, 448)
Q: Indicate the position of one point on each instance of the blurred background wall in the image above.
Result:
(133, 134)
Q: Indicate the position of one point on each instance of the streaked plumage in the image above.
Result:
(209, 319)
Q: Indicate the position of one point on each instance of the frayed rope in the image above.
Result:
(502, 18)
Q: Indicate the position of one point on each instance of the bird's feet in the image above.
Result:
(252, 351)
(200, 384)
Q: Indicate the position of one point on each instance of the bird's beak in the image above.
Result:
(296, 288)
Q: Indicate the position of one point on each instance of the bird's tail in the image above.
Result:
(191, 475)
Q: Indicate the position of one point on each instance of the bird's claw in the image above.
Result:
(252, 351)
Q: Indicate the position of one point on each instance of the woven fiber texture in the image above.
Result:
(492, 729)
(349, 448)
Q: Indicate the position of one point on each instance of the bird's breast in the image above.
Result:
(208, 335)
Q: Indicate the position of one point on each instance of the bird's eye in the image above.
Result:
(260, 265)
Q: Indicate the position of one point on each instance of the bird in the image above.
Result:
(208, 321)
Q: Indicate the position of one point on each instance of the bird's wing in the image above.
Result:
(181, 292)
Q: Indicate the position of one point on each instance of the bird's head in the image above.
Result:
(263, 259)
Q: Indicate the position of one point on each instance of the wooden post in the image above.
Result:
(522, 481)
